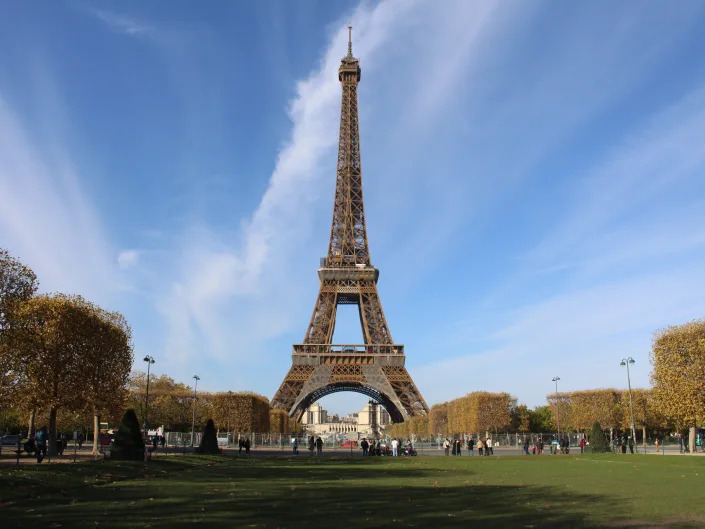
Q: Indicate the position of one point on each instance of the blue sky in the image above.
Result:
(534, 179)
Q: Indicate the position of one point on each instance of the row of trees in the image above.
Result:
(479, 411)
(675, 402)
(580, 410)
(171, 405)
(58, 352)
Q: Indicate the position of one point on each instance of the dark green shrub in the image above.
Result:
(598, 441)
(128, 442)
(209, 440)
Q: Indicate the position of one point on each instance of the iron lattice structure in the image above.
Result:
(375, 368)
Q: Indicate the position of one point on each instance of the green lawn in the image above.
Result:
(507, 491)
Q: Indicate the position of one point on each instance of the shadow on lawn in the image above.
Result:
(314, 494)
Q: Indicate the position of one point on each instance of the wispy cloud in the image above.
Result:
(45, 217)
(121, 23)
(128, 258)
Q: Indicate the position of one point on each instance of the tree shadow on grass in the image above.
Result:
(307, 494)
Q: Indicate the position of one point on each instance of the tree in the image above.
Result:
(17, 283)
(110, 359)
(521, 418)
(595, 405)
(438, 419)
(279, 422)
(170, 402)
(598, 442)
(678, 374)
(128, 442)
(541, 420)
(561, 406)
(209, 440)
(58, 340)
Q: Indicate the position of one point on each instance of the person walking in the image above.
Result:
(373, 448)
(311, 445)
(40, 441)
(480, 446)
(489, 450)
(656, 443)
(295, 445)
(319, 446)
(81, 439)
(365, 446)
(247, 446)
(581, 444)
(240, 445)
(460, 447)
(446, 446)
(395, 447)
(680, 442)
(526, 445)
(471, 446)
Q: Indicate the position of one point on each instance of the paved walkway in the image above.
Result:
(8, 457)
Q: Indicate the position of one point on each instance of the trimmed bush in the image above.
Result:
(598, 442)
(128, 444)
(209, 440)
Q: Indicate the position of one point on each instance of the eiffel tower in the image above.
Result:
(375, 368)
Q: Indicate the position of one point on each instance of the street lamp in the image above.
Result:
(193, 424)
(149, 361)
(626, 362)
(558, 409)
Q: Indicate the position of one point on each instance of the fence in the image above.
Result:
(501, 440)
(340, 440)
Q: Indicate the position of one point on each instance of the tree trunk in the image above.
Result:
(643, 436)
(96, 432)
(611, 438)
(52, 431)
(691, 439)
(30, 429)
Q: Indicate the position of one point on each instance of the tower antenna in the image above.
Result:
(350, 40)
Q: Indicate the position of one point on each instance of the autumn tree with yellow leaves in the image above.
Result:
(61, 342)
(18, 283)
(678, 375)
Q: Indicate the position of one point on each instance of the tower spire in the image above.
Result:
(350, 40)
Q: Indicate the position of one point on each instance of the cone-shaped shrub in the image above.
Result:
(598, 443)
(209, 440)
(128, 442)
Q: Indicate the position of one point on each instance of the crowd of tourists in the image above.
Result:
(455, 447)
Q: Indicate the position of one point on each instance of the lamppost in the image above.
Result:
(193, 424)
(626, 362)
(149, 361)
(558, 409)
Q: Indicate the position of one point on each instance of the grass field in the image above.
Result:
(507, 491)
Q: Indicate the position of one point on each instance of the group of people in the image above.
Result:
(314, 444)
(378, 448)
(157, 441)
(561, 445)
(623, 443)
(455, 447)
(243, 444)
(37, 443)
(535, 447)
